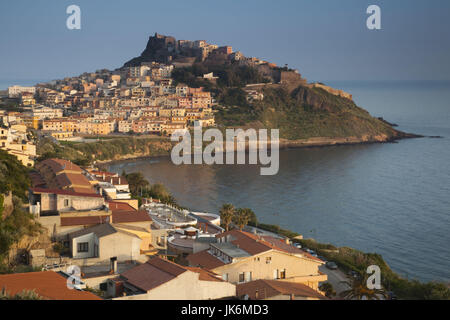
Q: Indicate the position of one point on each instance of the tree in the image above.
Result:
(252, 216)
(137, 182)
(359, 290)
(242, 216)
(159, 191)
(328, 289)
(226, 214)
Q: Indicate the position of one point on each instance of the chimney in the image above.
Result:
(113, 265)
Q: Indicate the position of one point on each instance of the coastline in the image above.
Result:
(284, 144)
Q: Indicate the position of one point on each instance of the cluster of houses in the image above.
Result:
(15, 140)
(151, 251)
(141, 99)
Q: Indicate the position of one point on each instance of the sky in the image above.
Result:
(323, 39)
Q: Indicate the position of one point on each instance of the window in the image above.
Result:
(241, 277)
(268, 259)
(83, 247)
(283, 274)
(66, 202)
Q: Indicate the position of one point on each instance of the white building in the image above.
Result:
(16, 91)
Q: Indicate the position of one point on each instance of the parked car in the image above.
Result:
(353, 274)
(331, 265)
(322, 258)
(298, 245)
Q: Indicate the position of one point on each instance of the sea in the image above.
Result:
(389, 198)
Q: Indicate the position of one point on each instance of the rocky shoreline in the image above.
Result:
(317, 142)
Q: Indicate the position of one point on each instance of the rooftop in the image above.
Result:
(264, 289)
(231, 250)
(48, 284)
(158, 271)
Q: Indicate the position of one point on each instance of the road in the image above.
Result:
(335, 277)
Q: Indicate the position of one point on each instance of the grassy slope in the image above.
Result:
(305, 113)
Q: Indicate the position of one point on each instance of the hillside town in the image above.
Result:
(99, 237)
(126, 247)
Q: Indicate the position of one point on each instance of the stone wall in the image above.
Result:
(333, 91)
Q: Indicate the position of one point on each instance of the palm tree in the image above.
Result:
(226, 214)
(242, 217)
(359, 290)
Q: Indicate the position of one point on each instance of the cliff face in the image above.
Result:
(159, 48)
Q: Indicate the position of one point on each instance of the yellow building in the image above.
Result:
(241, 257)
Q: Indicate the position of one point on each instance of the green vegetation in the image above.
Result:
(23, 295)
(230, 75)
(359, 291)
(328, 289)
(15, 226)
(47, 149)
(140, 188)
(226, 215)
(275, 229)
(10, 105)
(97, 292)
(349, 259)
(18, 223)
(302, 113)
(84, 153)
(13, 176)
(240, 216)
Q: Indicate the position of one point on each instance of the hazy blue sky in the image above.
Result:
(324, 39)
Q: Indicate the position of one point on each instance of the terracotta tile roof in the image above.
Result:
(58, 165)
(158, 271)
(48, 284)
(270, 288)
(36, 179)
(130, 216)
(119, 206)
(248, 242)
(152, 274)
(66, 192)
(204, 260)
(83, 221)
(255, 244)
(64, 180)
(101, 230)
(205, 275)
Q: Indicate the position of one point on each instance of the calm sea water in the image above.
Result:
(393, 199)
